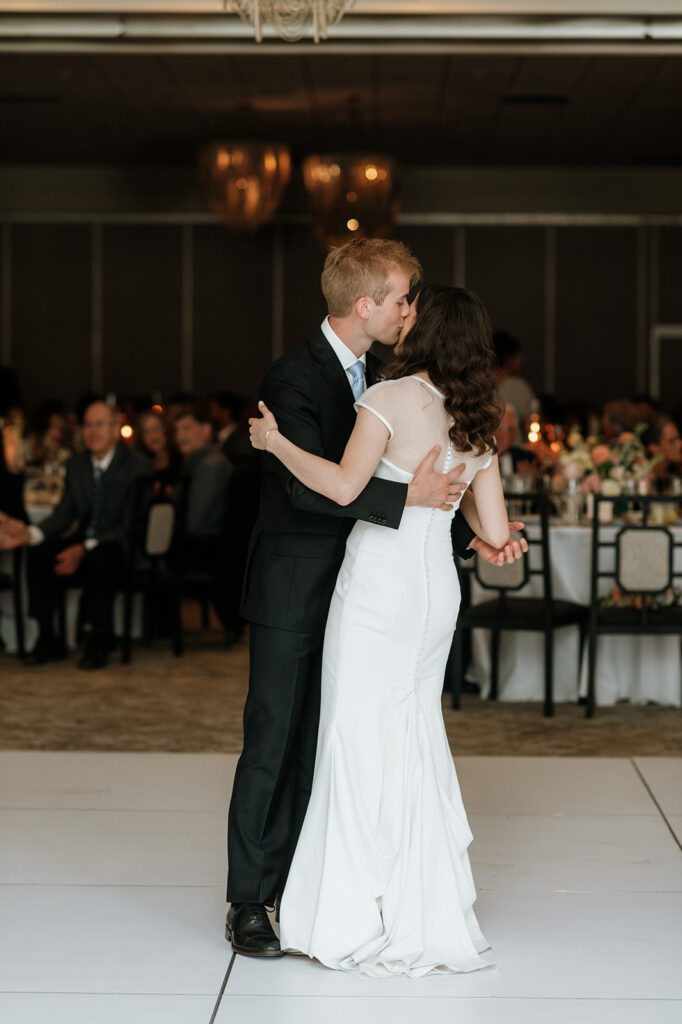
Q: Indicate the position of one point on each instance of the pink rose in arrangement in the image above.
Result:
(626, 436)
(591, 483)
(600, 454)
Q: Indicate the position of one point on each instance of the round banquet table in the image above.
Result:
(635, 668)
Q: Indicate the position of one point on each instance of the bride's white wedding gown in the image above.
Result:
(380, 881)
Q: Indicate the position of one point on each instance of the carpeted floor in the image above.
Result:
(194, 703)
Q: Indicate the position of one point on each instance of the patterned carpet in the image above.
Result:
(194, 703)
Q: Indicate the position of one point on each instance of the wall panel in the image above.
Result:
(596, 314)
(304, 305)
(670, 275)
(141, 314)
(433, 247)
(51, 314)
(505, 266)
(232, 309)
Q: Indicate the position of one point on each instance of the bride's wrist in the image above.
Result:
(268, 435)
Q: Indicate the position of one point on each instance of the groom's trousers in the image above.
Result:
(274, 774)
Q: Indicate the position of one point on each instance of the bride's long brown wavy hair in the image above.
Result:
(452, 341)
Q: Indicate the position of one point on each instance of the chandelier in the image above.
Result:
(352, 196)
(292, 19)
(244, 182)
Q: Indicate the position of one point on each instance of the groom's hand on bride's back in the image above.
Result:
(432, 489)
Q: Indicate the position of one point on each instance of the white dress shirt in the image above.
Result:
(36, 535)
(343, 353)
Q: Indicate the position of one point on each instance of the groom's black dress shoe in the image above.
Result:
(249, 930)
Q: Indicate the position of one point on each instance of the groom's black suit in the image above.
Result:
(295, 555)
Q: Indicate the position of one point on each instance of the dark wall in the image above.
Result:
(196, 307)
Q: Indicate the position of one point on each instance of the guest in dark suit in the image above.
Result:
(84, 540)
(232, 434)
(202, 500)
(295, 555)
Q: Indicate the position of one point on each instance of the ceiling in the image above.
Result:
(495, 109)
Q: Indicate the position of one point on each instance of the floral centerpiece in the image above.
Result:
(669, 598)
(606, 467)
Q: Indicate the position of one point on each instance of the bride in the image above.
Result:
(381, 882)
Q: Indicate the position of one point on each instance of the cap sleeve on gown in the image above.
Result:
(380, 399)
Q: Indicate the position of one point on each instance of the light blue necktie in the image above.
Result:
(357, 372)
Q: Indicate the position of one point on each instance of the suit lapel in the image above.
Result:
(333, 374)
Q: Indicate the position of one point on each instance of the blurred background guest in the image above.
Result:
(231, 429)
(511, 387)
(178, 401)
(48, 439)
(618, 417)
(512, 457)
(154, 440)
(84, 541)
(662, 438)
(202, 497)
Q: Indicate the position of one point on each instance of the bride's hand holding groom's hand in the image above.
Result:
(509, 554)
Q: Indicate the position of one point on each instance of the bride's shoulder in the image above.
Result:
(387, 387)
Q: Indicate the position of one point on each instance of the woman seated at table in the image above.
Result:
(49, 436)
(662, 438)
(153, 440)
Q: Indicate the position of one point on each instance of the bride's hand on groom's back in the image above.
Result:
(261, 426)
(431, 489)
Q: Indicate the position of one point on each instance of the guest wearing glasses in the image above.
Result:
(85, 539)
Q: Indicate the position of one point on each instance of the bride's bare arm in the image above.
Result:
(487, 513)
(341, 483)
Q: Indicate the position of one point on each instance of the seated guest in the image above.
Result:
(202, 499)
(153, 440)
(618, 417)
(178, 401)
(48, 437)
(511, 387)
(231, 431)
(84, 540)
(662, 438)
(513, 459)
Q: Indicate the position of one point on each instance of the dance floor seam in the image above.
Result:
(115, 912)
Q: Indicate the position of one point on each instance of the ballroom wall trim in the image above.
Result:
(275, 268)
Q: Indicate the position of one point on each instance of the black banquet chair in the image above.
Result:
(508, 610)
(639, 558)
(149, 574)
(13, 581)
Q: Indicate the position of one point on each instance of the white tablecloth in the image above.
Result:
(636, 668)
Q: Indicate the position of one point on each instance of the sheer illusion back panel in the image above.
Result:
(414, 412)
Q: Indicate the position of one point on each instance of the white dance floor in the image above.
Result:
(112, 870)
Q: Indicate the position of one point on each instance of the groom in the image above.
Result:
(295, 554)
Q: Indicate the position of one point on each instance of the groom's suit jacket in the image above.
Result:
(298, 543)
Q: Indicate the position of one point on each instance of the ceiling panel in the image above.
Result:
(424, 108)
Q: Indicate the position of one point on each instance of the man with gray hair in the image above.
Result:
(85, 539)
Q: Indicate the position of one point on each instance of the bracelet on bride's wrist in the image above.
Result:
(272, 430)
